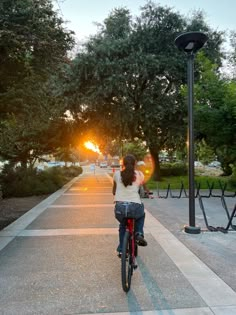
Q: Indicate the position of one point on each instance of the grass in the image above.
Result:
(204, 181)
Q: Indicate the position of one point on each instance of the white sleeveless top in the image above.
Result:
(131, 192)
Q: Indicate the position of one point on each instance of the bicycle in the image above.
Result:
(129, 254)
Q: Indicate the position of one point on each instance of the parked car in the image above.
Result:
(141, 163)
(55, 163)
(2, 164)
(164, 159)
(215, 164)
(115, 164)
(103, 164)
(198, 164)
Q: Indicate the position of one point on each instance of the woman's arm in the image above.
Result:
(145, 188)
(114, 188)
(144, 183)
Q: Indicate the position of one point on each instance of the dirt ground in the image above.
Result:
(12, 208)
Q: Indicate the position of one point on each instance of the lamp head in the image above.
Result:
(191, 42)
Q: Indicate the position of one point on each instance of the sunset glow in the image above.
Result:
(91, 146)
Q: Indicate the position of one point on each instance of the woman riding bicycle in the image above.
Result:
(126, 185)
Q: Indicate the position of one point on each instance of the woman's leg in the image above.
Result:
(120, 217)
(122, 229)
(139, 223)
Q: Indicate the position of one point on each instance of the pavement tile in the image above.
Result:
(60, 258)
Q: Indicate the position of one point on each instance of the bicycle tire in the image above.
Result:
(136, 250)
(126, 262)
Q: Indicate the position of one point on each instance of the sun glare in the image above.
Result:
(91, 146)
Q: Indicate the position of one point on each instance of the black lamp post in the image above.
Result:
(190, 43)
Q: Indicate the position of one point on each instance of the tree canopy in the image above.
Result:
(33, 49)
(215, 113)
(130, 74)
(128, 81)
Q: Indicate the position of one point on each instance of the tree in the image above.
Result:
(129, 75)
(35, 130)
(137, 148)
(33, 47)
(232, 56)
(204, 152)
(32, 40)
(215, 113)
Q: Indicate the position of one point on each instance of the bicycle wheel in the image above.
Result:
(126, 262)
(136, 250)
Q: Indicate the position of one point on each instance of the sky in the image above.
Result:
(81, 14)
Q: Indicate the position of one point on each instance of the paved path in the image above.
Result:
(59, 258)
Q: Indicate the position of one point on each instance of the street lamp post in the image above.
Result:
(190, 43)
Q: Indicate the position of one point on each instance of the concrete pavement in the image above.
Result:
(59, 258)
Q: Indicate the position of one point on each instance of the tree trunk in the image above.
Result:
(156, 175)
(227, 169)
(24, 164)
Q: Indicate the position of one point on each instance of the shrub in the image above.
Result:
(173, 169)
(72, 171)
(23, 182)
(232, 179)
(232, 183)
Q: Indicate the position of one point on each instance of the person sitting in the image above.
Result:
(126, 186)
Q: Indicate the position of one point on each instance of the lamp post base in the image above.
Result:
(192, 229)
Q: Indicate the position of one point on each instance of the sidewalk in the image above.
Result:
(59, 258)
